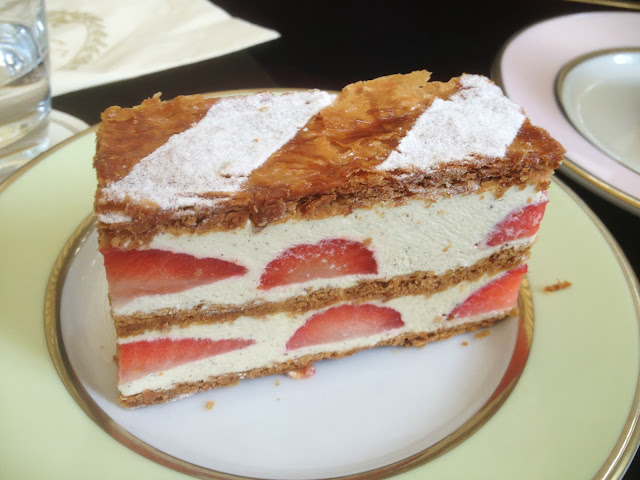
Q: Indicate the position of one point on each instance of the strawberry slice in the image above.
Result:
(499, 294)
(133, 273)
(344, 322)
(139, 359)
(325, 259)
(520, 223)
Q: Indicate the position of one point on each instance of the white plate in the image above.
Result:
(528, 69)
(279, 428)
(61, 126)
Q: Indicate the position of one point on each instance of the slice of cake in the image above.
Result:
(251, 235)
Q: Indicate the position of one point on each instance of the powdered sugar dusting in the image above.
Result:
(237, 135)
(477, 120)
(114, 217)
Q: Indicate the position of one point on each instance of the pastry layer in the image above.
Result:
(358, 151)
(281, 342)
(433, 238)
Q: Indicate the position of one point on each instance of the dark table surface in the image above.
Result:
(328, 45)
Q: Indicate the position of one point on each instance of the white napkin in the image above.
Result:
(93, 42)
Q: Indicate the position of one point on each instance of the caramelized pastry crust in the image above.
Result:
(328, 168)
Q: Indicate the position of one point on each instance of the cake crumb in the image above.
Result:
(277, 383)
(447, 247)
(441, 212)
(301, 373)
(559, 285)
(209, 405)
(483, 333)
(465, 343)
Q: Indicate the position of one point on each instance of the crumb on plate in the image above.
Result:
(483, 333)
(559, 285)
(302, 373)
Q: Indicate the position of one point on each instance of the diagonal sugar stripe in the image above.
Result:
(237, 135)
(477, 120)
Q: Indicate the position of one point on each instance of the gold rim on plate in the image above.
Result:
(611, 3)
(625, 448)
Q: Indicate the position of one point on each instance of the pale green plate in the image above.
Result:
(573, 414)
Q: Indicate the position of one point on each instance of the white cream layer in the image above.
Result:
(271, 333)
(413, 237)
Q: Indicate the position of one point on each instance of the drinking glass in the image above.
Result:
(25, 98)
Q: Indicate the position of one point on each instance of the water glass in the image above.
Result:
(25, 98)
